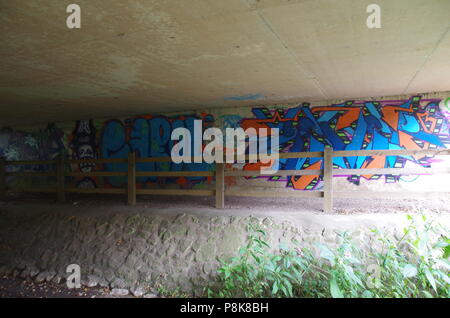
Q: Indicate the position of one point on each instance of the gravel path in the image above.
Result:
(233, 205)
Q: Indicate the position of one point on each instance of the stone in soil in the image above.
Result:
(119, 292)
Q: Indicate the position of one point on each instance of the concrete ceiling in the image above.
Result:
(148, 56)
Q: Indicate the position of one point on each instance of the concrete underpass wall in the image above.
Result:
(138, 250)
(404, 122)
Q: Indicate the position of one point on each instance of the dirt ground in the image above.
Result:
(247, 204)
(26, 288)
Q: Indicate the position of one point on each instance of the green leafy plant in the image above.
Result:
(256, 272)
(343, 267)
(416, 265)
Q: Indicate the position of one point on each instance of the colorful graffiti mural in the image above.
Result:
(416, 123)
(230, 121)
(149, 136)
(44, 144)
(354, 125)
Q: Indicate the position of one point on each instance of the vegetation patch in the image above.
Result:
(414, 265)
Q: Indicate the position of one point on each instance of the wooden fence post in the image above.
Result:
(60, 179)
(220, 185)
(2, 179)
(131, 178)
(328, 180)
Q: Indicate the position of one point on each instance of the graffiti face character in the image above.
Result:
(84, 147)
(86, 152)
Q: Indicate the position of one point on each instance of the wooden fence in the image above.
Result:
(219, 174)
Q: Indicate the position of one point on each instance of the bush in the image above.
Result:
(416, 265)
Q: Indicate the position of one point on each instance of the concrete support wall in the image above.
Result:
(415, 122)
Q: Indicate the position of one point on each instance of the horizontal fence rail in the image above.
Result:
(219, 191)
